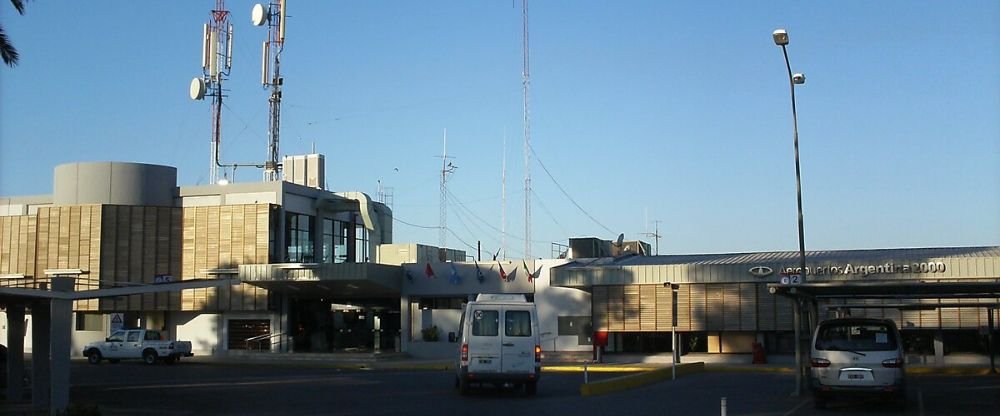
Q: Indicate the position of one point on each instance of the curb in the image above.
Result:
(637, 380)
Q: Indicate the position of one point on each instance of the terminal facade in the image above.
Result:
(318, 272)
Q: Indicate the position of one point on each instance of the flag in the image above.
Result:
(479, 273)
(503, 275)
(453, 277)
(512, 275)
(409, 276)
(531, 276)
(429, 272)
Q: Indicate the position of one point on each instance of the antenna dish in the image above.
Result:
(258, 15)
(621, 237)
(197, 89)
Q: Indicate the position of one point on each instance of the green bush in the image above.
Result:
(430, 334)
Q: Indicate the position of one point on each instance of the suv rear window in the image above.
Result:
(856, 337)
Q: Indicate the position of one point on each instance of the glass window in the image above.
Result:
(133, 336)
(485, 323)
(298, 238)
(327, 240)
(361, 243)
(856, 337)
(517, 324)
(117, 336)
(152, 335)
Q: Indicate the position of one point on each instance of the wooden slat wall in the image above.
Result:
(224, 237)
(54, 238)
(684, 308)
(697, 298)
(616, 308)
(714, 308)
(631, 311)
(664, 308)
(748, 306)
(766, 308)
(732, 307)
(17, 246)
(647, 307)
(136, 245)
(599, 302)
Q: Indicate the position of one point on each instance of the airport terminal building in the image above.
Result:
(317, 271)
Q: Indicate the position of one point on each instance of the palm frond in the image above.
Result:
(7, 51)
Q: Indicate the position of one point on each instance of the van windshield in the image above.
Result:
(856, 337)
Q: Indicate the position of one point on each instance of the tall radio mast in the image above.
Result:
(446, 168)
(525, 84)
(216, 61)
(274, 16)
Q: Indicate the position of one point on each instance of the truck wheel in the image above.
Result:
(94, 357)
(531, 388)
(149, 357)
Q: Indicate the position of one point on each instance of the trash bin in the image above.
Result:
(452, 337)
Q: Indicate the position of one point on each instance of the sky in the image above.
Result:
(644, 115)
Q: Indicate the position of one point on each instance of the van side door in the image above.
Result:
(484, 339)
(518, 340)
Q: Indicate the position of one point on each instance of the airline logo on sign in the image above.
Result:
(761, 271)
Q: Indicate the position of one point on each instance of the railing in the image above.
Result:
(259, 339)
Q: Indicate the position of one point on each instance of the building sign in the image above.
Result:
(887, 268)
(117, 321)
(761, 271)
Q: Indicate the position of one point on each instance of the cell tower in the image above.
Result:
(216, 61)
(446, 169)
(525, 85)
(274, 16)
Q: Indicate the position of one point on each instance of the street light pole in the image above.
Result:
(781, 39)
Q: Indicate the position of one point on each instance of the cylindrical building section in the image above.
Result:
(117, 183)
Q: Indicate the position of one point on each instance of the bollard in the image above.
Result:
(586, 376)
(723, 406)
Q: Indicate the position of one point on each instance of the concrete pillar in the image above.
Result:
(15, 352)
(40, 347)
(60, 336)
(404, 323)
(283, 323)
(939, 348)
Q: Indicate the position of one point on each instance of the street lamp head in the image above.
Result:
(798, 79)
(780, 37)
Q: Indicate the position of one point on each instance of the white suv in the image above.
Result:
(857, 356)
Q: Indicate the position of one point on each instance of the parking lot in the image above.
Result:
(198, 387)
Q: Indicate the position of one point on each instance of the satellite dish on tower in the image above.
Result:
(197, 90)
(259, 15)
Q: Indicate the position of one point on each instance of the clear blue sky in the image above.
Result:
(676, 109)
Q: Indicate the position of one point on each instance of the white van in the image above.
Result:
(857, 356)
(500, 343)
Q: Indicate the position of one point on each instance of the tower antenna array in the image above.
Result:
(274, 16)
(216, 61)
(446, 169)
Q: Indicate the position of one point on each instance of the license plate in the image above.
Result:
(856, 376)
(485, 361)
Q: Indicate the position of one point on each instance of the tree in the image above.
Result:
(7, 50)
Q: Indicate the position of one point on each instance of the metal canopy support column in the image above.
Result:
(41, 392)
(15, 352)
(61, 316)
(991, 342)
(797, 322)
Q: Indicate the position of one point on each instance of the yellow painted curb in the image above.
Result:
(637, 380)
(595, 369)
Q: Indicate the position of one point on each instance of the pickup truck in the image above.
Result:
(146, 344)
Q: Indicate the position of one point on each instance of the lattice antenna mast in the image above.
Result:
(447, 168)
(216, 62)
(655, 234)
(525, 86)
(274, 16)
